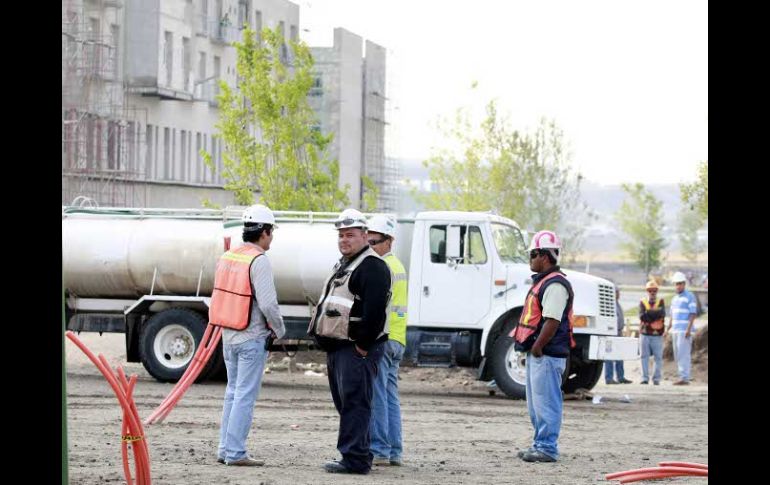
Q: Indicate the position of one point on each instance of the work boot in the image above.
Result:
(537, 456)
(337, 467)
(246, 461)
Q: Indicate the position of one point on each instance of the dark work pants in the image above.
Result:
(351, 381)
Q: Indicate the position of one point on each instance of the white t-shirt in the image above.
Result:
(555, 301)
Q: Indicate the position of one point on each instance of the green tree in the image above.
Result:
(689, 222)
(641, 218)
(267, 127)
(696, 194)
(527, 177)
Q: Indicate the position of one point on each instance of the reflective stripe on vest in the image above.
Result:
(330, 318)
(399, 300)
(658, 324)
(232, 297)
(532, 317)
(654, 306)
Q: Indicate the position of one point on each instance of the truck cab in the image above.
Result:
(468, 279)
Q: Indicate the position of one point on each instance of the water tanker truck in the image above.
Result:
(149, 274)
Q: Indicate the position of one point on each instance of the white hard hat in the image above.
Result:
(544, 240)
(547, 240)
(258, 214)
(679, 277)
(350, 218)
(383, 224)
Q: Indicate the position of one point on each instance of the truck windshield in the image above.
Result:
(510, 245)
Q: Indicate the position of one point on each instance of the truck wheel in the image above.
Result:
(168, 341)
(509, 366)
(582, 374)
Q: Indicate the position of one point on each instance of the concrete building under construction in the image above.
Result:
(139, 86)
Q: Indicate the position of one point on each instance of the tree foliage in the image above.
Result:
(641, 219)
(271, 143)
(696, 194)
(527, 177)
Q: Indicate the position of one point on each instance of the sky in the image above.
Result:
(627, 81)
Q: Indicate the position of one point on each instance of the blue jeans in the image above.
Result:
(682, 348)
(544, 401)
(651, 344)
(612, 367)
(385, 426)
(245, 364)
(351, 382)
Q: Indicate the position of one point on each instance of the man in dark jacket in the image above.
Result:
(349, 323)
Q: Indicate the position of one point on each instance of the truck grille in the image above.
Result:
(606, 300)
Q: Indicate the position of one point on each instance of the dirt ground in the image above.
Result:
(454, 430)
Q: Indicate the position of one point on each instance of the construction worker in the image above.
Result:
(544, 332)
(245, 303)
(385, 427)
(652, 313)
(350, 324)
(612, 367)
(684, 309)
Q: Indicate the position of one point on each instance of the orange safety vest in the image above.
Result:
(657, 324)
(531, 319)
(232, 298)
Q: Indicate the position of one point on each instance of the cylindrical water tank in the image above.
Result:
(112, 256)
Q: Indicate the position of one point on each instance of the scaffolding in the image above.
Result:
(382, 170)
(102, 138)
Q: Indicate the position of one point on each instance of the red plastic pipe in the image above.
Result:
(663, 469)
(191, 368)
(143, 465)
(684, 464)
(654, 476)
(134, 423)
(209, 351)
(209, 342)
(131, 417)
(201, 357)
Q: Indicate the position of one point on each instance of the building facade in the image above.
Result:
(139, 86)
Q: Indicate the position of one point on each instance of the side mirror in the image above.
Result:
(453, 254)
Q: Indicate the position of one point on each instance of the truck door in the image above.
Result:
(455, 289)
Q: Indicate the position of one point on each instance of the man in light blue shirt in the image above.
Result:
(684, 309)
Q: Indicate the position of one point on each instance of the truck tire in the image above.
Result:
(168, 341)
(510, 371)
(508, 366)
(582, 374)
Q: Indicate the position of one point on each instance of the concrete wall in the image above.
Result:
(142, 41)
(325, 100)
(180, 116)
(185, 196)
(274, 11)
(348, 47)
(193, 121)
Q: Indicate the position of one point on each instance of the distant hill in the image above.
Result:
(605, 200)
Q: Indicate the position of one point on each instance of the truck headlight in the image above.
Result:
(582, 321)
